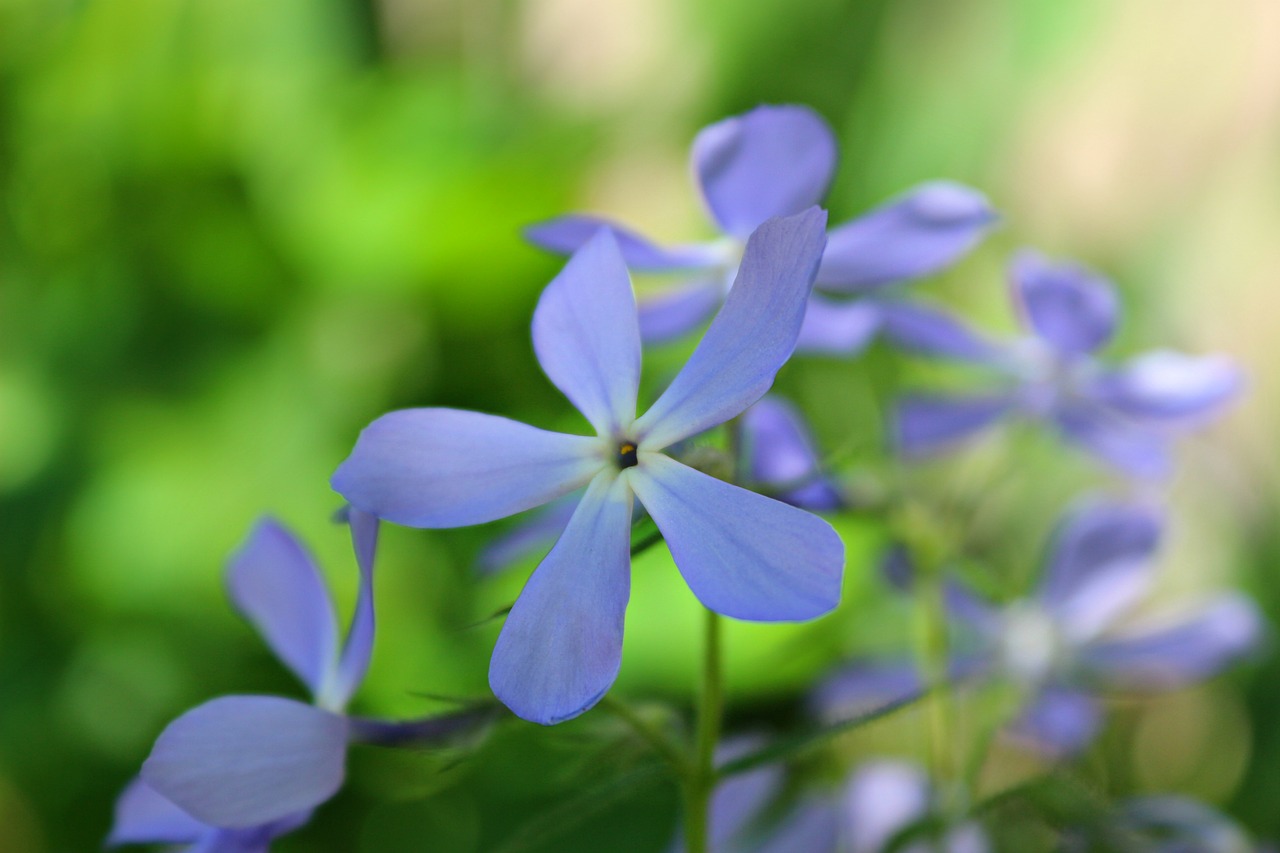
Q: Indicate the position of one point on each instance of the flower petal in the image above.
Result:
(925, 330)
(678, 311)
(1176, 824)
(567, 234)
(1170, 387)
(449, 468)
(358, 648)
(863, 686)
(1060, 720)
(1100, 565)
(814, 824)
(883, 798)
(929, 424)
(275, 584)
(1115, 440)
(911, 236)
(144, 817)
(1180, 652)
(587, 336)
(749, 340)
(780, 453)
(739, 800)
(742, 554)
(241, 761)
(1071, 308)
(539, 531)
(963, 605)
(256, 839)
(771, 161)
(561, 646)
(838, 328)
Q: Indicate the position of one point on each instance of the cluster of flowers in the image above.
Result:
(238, 771)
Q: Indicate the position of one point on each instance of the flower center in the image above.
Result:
(1030, 642)
(626, 456)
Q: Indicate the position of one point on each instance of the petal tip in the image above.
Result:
(948, 203)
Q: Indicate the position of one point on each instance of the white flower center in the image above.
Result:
(1031, 644)
(1047, 378)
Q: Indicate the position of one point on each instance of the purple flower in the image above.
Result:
(1075, 637)
(238, 771)
(777, 161)
(1126, 416)
(877, 806)
(742, 554)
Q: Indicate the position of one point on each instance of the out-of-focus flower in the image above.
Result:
(781, 457)
(1161, 824)
(1125, 415)
(777, 161)
(1074, 637)
(737, 803)
(876, 810)
(742, 554)
(238, 771)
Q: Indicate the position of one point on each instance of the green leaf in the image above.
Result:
(560, 820)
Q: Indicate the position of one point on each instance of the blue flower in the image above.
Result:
(742, 554)
(144, 817)
(1126, 416)
(777, 161)
(238, 771)
(738, 801)
(1074, 637)
(877, 808)
(781, 457)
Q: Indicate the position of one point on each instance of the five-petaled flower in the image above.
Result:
(742, 554)
(777, 161)
(238, 771)
(1125, 415)
(1074, 637)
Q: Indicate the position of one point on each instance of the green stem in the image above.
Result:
(701, 779)
(936, 658)
(926, 541)
(784, 749)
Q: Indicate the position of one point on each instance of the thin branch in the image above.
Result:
(796, 744)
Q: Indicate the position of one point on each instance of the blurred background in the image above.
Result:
(232, 233)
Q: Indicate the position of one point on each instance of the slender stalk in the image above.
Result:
(787, 748)
(927, 544)
(701, 780)
(935, 657)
